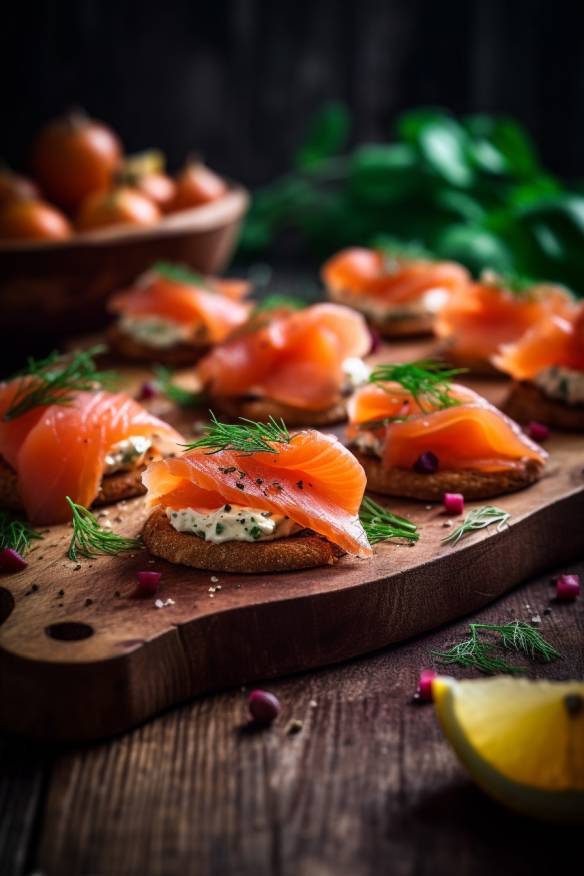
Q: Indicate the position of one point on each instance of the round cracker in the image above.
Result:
(262, 409)
(527, 402)
(410, 484)
(184, 353)
(302, 551)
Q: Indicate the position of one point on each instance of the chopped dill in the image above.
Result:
(90, 540)
(55, 380)
(479, 518)
(479, 650)
(244, 437)
(275, 302)
(178, 395)
(179, 273)
(428, 382)
(16, 534)
(380, 524)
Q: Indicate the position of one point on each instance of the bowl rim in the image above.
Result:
(208, 217)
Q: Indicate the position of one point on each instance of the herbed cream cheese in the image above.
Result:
(232, 523)
(368, 443)
(155, 331)
(356, 371)
(126, 455)
(383, 310)
(564, 384)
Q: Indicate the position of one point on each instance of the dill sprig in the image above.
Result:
(478, 652)
(244, 437)
(55, 380)
(479, 518)
(90, 539)
(16, 534)
(184, 398)
(180, 274)
(428, 382)
(380, 524)
(275, 302)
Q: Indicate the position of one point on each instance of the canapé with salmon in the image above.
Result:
(478, 320)
(299, 366)
(173, 316)
(251, 497)
(548, 365)
(398, 293)
(419, 435)
(62, 435)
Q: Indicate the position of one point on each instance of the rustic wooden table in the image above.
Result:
(367, 786)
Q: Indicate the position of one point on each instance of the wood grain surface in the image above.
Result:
(368, 787)
(81, 657)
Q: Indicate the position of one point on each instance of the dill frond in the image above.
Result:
(244, 437)
(479, 518)
(16, 534)
(381, 525)
(429, 383)
(90, 540)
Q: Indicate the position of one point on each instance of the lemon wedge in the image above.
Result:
(522, 741)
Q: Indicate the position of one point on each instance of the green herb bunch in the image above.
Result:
(472, 189)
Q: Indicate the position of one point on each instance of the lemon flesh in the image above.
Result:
(522, 741)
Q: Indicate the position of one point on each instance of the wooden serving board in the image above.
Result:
(81, 657)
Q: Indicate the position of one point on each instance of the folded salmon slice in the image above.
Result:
(296, 359)
(557, 341)
(313, 479)
(476, 321)
(217, 305)
(60, 450)
(470, 435)
(370, 272)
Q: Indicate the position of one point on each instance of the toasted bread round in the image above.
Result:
(302, 551)
(262, 409)
(185, 353)
(392, 325)
(411, 484)
(474, 365)
(527, 402)
(113, 488)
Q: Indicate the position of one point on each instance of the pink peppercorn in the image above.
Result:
(148, 582)
(263, 706)
(426, 463)
(567, 587)
(538, 431)
(424, 692)
(375, 341)
(453, 503)
(11, 561)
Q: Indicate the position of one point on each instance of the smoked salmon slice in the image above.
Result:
(311, 478)
(554, 342)
(471, 434)
(297, 359)
(59, 450)
(358, 272)
(214, 303)
(476, 321)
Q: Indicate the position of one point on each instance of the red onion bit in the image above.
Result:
(263, 706)
(424, 692)
(426, 463)
(147, 390)
(453, 503)
(538, 431)
(567, 587)
(148, 582)
(375, 341)
(11, 561)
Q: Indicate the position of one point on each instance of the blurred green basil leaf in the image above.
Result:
(443, 144)
(383, 174)
(327, 136)
(477, 248)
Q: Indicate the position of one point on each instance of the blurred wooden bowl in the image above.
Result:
(54, 287)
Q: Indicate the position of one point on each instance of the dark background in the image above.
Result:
(237, 79)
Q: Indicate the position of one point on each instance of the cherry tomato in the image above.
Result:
(73, 156)
(159, 187)
(32, 220)
(121, 206)
(197, 185)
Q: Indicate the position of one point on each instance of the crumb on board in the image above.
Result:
(163, 603)
(293, 726)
